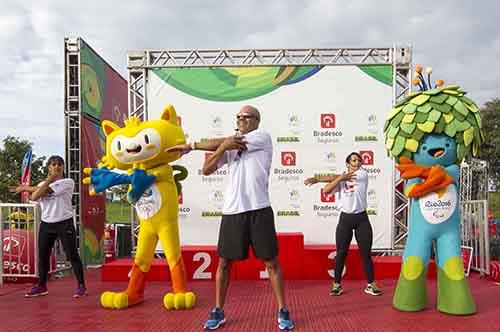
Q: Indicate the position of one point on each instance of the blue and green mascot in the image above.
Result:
(429, 134)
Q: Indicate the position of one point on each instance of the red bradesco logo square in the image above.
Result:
(328, 120)
(288, 158)
(366, 157)
(208, 155)
(327, 197)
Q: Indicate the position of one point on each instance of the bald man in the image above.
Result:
(247, 216)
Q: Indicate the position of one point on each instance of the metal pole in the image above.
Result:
(486, 237)
(1, 247)
(36, 226)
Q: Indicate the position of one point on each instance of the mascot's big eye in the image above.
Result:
(447, 145)
(119, 146)
(424, 147)
(146, 139)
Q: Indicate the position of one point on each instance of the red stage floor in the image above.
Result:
(250, 307)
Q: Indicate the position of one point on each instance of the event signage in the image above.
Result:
(313, 128)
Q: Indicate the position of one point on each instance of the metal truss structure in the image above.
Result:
(400, 58)
(72, 122)
(474, 180)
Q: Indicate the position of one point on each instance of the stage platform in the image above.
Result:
(299, 261)
(316, 268)
(250, 307)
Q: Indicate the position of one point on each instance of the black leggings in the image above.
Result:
(48, 234)
(364, 236)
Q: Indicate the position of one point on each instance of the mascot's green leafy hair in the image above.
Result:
(441, 110)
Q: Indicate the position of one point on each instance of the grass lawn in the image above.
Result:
(117, 212)
(494, 204)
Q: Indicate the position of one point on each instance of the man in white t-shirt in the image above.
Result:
(54, 195)
(248, 219)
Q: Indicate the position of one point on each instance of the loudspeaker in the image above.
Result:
(123, 240)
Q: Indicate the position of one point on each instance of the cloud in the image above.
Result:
(459, 39)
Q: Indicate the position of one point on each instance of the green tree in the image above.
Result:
(11, 159)
(490, 150)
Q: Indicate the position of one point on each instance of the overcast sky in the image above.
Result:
(459, 39)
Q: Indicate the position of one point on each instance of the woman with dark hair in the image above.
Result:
(351, 188)
(54, 195)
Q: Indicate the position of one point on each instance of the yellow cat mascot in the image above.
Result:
(141, 149)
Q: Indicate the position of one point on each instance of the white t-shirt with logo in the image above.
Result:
(57, 205)
(248, 187)
(352, 194)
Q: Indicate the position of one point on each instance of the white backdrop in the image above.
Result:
(338, 110)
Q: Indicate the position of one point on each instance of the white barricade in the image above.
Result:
(475, 235)
(19, 225)
(19, 234)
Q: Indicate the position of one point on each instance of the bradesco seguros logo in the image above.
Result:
(327, 197)
(327, 208)
(367, 157)
(328, 120)
(16, 259)
(184, 211)
(13, 246)
(215, 177)
(288, 158)
(288, 170)
(328, 132)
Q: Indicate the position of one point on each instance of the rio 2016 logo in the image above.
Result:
(328, 120)
(288, 158)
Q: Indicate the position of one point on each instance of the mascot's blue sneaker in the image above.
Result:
(215, 320)
(284, 321)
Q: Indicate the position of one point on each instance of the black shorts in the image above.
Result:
(239, 231)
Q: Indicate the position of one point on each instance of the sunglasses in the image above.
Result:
(244, 117)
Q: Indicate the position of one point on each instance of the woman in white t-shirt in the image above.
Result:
(351, 188)
(54, 195)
